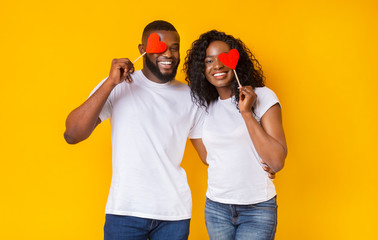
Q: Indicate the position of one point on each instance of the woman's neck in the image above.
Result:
(224, 92)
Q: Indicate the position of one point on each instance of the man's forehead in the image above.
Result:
(166, 36)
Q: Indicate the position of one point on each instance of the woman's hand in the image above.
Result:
(247, 98)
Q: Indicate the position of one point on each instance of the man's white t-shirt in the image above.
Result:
(150, 123)
(235, 174)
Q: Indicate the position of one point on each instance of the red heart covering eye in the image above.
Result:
(230, 59)
(154, 45)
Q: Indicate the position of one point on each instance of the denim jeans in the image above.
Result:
(135, 228)
(241, 222)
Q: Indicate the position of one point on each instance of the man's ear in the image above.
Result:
(141, 48)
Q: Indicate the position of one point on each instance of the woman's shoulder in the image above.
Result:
(266, 98)
(264, 91)
(265, 94)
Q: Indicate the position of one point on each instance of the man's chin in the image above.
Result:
(167, 77)
(167, 71)
(163, 74)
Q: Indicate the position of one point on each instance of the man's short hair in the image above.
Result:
(159, 25)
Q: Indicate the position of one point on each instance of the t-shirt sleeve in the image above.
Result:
(196, 129)
(106, 111)
(266, 98)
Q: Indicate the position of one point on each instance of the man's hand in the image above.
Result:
(271, 173)
(120, 71)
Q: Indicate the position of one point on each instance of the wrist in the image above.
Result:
(110, 83)
(246, 114)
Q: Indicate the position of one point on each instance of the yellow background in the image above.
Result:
(320, 57)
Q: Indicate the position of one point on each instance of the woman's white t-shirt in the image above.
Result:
(235, 173)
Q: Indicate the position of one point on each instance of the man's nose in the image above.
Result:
(167, 53)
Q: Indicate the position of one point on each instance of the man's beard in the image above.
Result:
(156, 71)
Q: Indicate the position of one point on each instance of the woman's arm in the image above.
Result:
(201, 150)
(268, 138)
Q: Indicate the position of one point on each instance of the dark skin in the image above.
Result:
(165, 61)
(82, 121)
(267, 137)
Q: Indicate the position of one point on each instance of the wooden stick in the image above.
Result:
(139, 57)
(237, 78)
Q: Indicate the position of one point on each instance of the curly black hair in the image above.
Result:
(202, 91)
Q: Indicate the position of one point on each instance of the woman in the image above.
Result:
(242, 132)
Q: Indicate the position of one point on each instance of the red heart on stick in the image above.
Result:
(154, 45)
(230, 59)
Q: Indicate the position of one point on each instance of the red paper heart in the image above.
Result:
(230, 59)
(154, 45)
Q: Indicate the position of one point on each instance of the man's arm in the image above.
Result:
(83, 120)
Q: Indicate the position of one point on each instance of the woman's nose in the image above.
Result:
(218, 64)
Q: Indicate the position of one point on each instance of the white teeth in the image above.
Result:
(219, 74)
(166, 63)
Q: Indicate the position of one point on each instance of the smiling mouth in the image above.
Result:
(219, 74)
(167, 63)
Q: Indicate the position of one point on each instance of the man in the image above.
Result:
(152, 115)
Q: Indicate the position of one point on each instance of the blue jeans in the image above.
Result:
(135, 228)
(241, 222)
